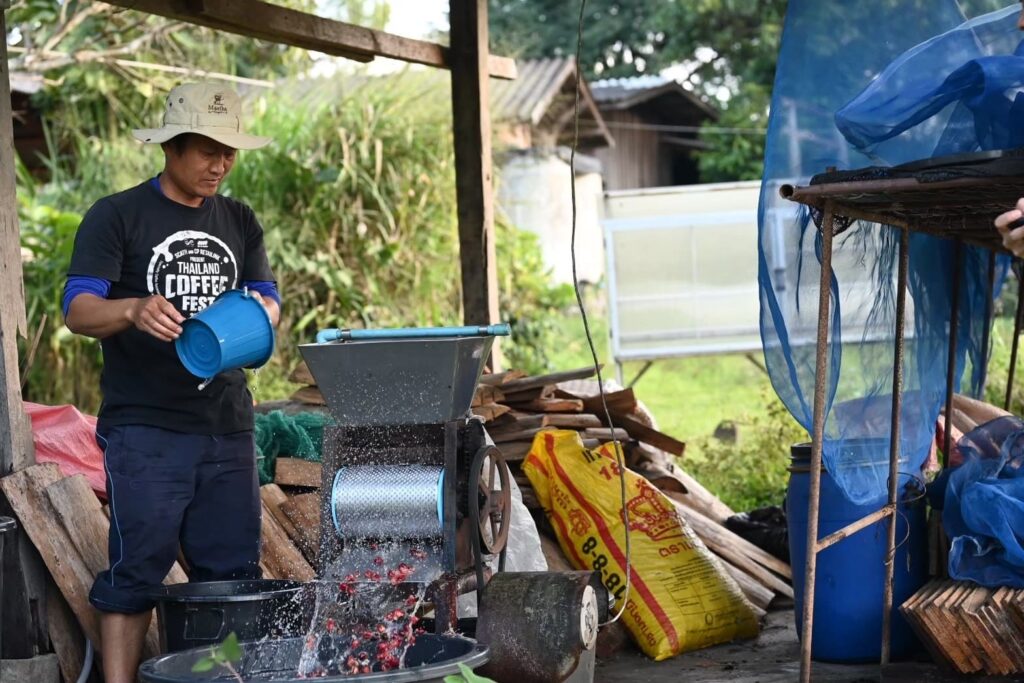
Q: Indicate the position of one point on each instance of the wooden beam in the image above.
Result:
(23, 602)
(16, 451)
(265, 21)
(473, 171)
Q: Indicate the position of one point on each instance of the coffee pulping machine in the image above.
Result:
(407, 467)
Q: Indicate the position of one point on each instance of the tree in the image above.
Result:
(103, 64)
(725, 50)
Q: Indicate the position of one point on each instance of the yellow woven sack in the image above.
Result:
(679, 598)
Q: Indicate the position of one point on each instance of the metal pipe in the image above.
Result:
(894, 439)
(499, 330)
(854, 527)
(954, 331)
(986, 333)
(820, 388)
(1016, 337)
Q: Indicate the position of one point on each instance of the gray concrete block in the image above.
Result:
(40, 669)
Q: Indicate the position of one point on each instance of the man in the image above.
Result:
(180, 462)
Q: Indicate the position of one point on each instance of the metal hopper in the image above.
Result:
(394, 377)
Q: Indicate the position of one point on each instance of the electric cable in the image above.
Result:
(586, 325)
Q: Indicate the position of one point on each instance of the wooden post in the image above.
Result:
(473, 173)
(15, 433)
(24, 597)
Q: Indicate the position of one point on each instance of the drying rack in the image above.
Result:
(960, 209)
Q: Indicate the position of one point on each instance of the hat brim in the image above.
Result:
(231, 139)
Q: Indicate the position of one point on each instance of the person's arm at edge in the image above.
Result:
(93, 316)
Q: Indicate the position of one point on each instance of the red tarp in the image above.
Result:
(67, 437)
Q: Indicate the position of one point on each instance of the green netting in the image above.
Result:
(296, 436)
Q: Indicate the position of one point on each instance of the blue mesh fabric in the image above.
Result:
(983, 512)
(879, 82)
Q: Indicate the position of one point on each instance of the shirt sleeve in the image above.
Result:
(79, 284)
(256, 266)
(268, 290)
(99, 244)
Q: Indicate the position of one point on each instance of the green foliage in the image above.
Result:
(466, 675)
(533, 306)
(727, 50)
(78, 44)
(737, 154)
(752, 472)
(225, 655)
(357, 200)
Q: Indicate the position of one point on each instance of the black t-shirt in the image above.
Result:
(146, 243)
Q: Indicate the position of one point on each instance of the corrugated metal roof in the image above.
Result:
(611, 89)
(624, 93)
(526, 98)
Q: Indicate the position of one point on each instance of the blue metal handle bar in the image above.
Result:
(499, 330)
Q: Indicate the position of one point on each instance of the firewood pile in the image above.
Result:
(972, 628)
(69, 526)
(517, 407)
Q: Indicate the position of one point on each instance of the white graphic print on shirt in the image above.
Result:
(190, 268)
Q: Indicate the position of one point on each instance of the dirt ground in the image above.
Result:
(773, 658)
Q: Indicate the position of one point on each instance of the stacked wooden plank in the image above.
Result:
(518, 407)
(68, 526)
(972, 628)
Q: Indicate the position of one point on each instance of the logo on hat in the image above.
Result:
(217, 106)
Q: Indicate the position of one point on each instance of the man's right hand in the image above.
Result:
(157, 316)
(1012, 232)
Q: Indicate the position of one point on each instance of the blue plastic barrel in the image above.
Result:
(850, 577)
(234, 331)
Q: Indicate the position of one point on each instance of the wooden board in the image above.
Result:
(498, 378)
(26, 492)
(272, 497)
(266, 21)
(297, 472)
(538, 381)
(310, 396)
(485, 394)
(568, 421)
(641, 432)
(302, 375)
(278, 554)
(718, 536)
(66, 635)
(547, 405)
(605, 434)
(491, 411)
(515, 451)
(303, 513)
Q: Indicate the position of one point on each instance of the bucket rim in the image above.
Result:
(477, 656)
(177, 592)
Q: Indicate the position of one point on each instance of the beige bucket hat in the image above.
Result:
(209, 109)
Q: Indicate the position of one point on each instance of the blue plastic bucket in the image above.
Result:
(850, 577)
(234, 331)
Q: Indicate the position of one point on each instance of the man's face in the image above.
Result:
(201, 167)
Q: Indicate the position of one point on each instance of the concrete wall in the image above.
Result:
(534, 194)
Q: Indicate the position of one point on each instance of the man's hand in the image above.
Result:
(273, 310)
(157, 316)
(1013, 236)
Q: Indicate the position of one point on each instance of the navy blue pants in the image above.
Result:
(167, 488)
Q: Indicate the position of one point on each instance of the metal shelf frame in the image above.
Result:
(963, 210)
